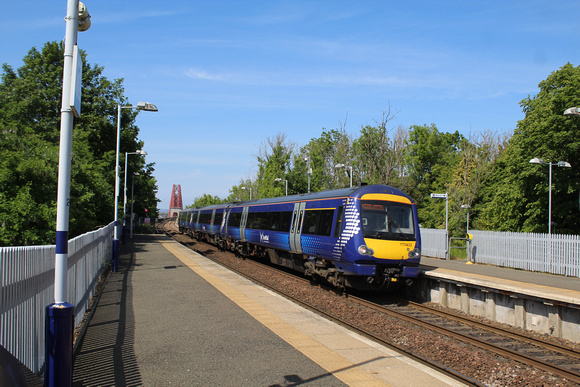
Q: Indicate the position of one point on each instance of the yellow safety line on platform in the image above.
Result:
(335, 364)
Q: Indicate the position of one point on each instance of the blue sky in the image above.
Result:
(227, 74)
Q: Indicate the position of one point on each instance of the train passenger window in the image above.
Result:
(318, 222)
(275, 220)
(310, 222)
(205, 218)
(251, 221)
(218, 218)
(281, 221)
(234, 219)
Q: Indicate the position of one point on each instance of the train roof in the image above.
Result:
(357, 191)
(329, 194)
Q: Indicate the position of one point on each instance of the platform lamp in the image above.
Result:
(466, 207)
(280, 179)
(59, 315)
(308, 170)
(564, 164)
(146, 106)
(138, 152)
(132, 200)
(250, 188)
(345, 166)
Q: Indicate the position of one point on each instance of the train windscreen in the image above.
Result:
(387, 220)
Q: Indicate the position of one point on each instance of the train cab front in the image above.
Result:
(392, 243)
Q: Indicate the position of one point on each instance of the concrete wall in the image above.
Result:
(519, 310)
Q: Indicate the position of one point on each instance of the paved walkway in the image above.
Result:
(172, 317)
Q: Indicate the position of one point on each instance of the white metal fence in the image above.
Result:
(433, 242)
(27, 287)
(555, 254)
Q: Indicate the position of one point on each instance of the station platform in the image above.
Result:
(169, 316)
(541, 285)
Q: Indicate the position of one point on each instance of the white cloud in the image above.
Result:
(196, 73)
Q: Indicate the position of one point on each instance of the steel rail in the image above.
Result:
(510, 354)
(514, 335)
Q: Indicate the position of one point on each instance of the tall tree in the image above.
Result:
(518, 199)
(274, 159)
(477, 160)
(431, 159)
(29, 140)
(379, 156)
(325, 152)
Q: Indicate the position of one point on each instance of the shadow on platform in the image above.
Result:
(106, 355)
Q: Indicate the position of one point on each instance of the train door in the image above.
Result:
(296, 229)
(211, 229)
(227, 212)
(243, 224)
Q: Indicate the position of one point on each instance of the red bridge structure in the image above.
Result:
(176, 204)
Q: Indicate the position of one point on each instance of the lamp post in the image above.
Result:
(140, 106)
(132, 193)
(138, 152)
(279, 179)
(573, 111)
(467, 206)
(345, 166)
(308, 170)
(59, 318)
(250, 188)
(564, 164)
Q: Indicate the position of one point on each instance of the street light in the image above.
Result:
(59, 319)
(573, 111)
(138, 152)
(279, 179)
(467, 206)
(345, 166)
(564, 164)
(140, 106)
(308, 170)
(132, 193)
(250, 188)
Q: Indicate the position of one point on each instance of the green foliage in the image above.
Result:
(30, 100)
(517, 199)
(331, 148)
(274, 163)
(205, 200)
(246, 190)
(432, 158)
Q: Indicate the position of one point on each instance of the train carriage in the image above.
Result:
(184, 220)
(362, 237)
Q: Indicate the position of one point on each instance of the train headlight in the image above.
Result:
(364, 250)
(415, 253)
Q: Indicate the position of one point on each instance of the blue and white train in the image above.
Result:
(364, 237)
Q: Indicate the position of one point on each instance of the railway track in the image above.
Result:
(535, 352)
(540, 354)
